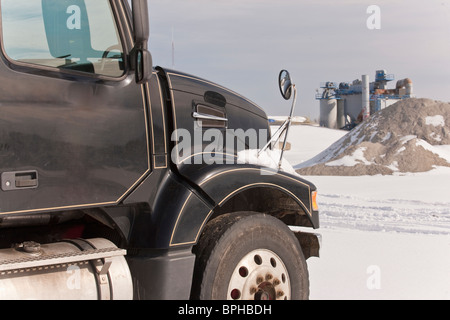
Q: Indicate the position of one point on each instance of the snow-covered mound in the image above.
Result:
(412, 135)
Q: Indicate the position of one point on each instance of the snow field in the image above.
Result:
(383, 237)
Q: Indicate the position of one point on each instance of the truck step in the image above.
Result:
(62, 258)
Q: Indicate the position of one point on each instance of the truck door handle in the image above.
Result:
(19, 180)
(26, 180)
(204, 116)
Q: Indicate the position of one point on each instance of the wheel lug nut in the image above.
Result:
(280, 293)
(259, 280)
(276, 282)
(269, 276)
(253, 290)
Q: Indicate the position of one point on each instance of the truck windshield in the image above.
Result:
(78, 35)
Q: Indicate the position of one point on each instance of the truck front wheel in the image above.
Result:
(249, 256)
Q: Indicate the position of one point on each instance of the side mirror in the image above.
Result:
(143, 65)
(285, 83)
(287, 88)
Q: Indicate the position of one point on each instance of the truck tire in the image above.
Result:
(249, 256)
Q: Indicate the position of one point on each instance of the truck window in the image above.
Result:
(78, 35)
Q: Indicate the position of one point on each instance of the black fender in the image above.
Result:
(220, 183)
(185, 201)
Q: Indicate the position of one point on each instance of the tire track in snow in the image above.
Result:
(391, 215)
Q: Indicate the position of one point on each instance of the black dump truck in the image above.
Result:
(120, 180)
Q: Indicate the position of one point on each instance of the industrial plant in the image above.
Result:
(344, 105)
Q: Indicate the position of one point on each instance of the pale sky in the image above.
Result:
(243, 44)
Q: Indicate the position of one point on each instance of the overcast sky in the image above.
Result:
(243, 44)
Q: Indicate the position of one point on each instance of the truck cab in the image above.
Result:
(125, 178)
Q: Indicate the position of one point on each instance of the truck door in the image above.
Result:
(73, 123)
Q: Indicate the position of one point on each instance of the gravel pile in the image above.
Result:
(413, 135)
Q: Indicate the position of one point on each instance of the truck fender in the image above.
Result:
(254, 189)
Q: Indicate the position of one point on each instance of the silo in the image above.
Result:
(328, 113)
(340, 121)
(353, 106)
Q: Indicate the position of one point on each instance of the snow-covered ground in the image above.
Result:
(383, 237)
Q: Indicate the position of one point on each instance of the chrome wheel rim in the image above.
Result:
(260, 275)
